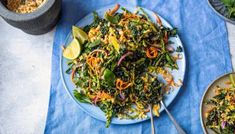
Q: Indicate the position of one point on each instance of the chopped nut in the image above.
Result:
(27, 6)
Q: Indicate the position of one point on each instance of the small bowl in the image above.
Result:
(38, 22)
(209, 93)
(220, 9)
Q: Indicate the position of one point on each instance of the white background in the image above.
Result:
(25, 65)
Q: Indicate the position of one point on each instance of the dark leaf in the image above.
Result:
(113, 19)
(179, 49)
(81, 97)
(109, 77)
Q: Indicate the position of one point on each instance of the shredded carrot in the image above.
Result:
(92, 34)
(95, 52)
(165, 38)
(121, 85)
(147, 110)
(93, 60)
(228, 83)
(91, 96)
(89, 62)
(127, 16)
(145, 86)
(89, 87)
(73, 74)
(103, 95)
(158, 19)
(152, 52)
(114, 10)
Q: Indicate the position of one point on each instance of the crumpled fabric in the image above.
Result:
(205, 39)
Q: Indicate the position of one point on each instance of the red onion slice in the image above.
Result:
(223, 124)
(122, 96)
(123, 57)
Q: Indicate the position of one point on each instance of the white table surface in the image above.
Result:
(25, 69)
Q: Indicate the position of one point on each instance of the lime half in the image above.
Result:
(73, 50)
(79, 34)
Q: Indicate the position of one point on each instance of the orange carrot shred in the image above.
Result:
(151, 52)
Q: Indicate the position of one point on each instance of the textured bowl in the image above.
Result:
(38, 22)
(221, 10)
(209, 93)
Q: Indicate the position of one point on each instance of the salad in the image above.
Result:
(221, 117)
(230, 5)
(115, 63)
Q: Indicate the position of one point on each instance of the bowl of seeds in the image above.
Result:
(31, 16)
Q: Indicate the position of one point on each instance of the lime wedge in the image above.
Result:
(79, 34)
(73, 50)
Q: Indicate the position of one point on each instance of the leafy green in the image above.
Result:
(94, 44)
(124, 9)
(171, 62)
(107, 108)
(81, 97)
(113, 19)
(68, 70)
(144, 13)
(95, 23)
(230, 4)
(173, 32)
(109, 77)
(179, 49)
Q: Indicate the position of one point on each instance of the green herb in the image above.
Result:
(170, 61)
(113, 19)
(95, 23)
(81, 97)
(125, 10)
(94, 44)
(144, 13)
(173, 32)
(107, 107)
(179, 49)
(230, 5)
(109, 77)
(68, 70)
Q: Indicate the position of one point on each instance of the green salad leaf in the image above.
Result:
(230, 5)
(81, 97)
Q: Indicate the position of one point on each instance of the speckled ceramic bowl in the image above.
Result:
(209, 93)
(40, 21)
(221, 10)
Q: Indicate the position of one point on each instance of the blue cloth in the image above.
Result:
(204, 37)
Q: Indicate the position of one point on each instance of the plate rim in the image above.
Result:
(90, 113)
(203, 98)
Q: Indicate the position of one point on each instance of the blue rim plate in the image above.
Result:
(94, 111)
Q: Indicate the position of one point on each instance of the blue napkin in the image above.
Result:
(205, 39)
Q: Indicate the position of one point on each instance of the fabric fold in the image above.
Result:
(204, 37)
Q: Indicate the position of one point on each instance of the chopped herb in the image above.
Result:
(230, 5)
(179, 49)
